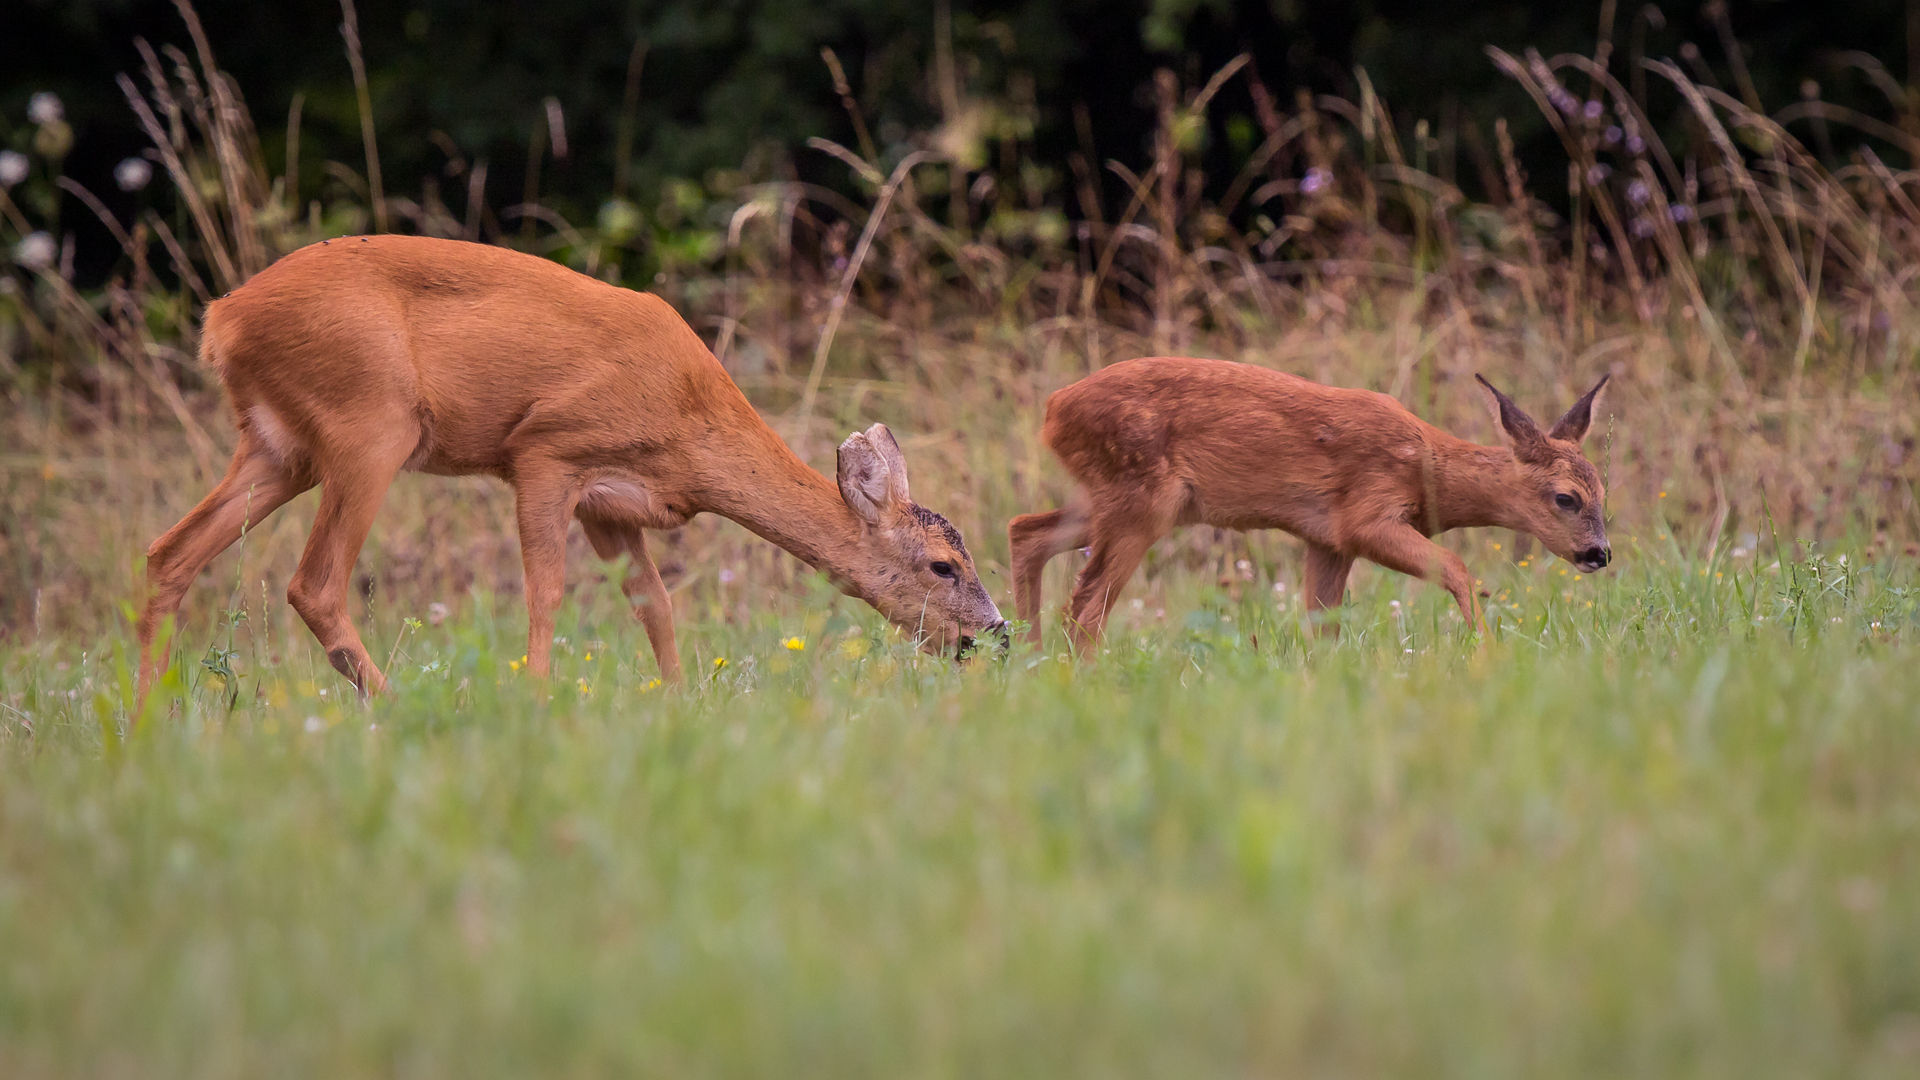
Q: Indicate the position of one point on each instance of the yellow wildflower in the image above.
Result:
(795, 644)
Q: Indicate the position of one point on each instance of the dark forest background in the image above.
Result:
(730, 90)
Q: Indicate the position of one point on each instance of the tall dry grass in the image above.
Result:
(1754, 303)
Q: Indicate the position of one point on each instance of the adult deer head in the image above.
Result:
(911, 563)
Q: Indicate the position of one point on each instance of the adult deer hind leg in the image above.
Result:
(1326, 581)
(1034, 539)
(643, 587)
(353, 482)
(256, 485)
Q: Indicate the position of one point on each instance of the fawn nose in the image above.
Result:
(1596, 557)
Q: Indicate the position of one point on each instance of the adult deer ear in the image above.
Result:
(873, 473)
(1574, 426)
(1521, 433)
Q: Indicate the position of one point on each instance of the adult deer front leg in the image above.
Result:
(648, 594)
(544, 499)
(1403, 548)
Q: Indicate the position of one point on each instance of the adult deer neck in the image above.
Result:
(1473, 485)
(761, 484)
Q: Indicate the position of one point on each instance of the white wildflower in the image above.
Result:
(35, 251)
(45, 108)
(133, 174)
(13, 167)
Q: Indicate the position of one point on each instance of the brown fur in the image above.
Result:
(352, 360)
(1167, 441)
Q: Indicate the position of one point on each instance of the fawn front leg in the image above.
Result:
(1327, 572)
(1401, 547)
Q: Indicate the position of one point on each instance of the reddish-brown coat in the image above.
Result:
(1167, 441)
(352, 360)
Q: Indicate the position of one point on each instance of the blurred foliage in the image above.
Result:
(732, 89)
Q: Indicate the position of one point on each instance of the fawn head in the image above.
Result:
(911, 563)
(1559, 492)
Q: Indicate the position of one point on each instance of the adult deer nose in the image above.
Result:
(1595, 558)
(998, 632)
(993, 631)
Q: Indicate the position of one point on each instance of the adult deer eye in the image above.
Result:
(1566, 502)
(944, 569)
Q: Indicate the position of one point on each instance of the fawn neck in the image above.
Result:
(777, 497)
(1473, 485)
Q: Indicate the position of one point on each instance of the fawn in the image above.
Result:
(1161, 442)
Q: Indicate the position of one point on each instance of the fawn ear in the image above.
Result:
(1519, 430)
(873, 474)
(1574, 426)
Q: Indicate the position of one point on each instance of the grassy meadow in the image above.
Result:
(1672, 833)
(1662, 821)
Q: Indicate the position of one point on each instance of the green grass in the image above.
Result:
(1676, 833)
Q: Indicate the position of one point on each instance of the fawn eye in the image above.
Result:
(944, 569)
(1566, 502)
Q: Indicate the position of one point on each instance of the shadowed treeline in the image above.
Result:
(728, 91)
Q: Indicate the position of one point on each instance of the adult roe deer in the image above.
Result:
(350, 360)
(1166, 441)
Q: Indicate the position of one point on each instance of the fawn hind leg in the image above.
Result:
(1034, 539)
(643, 587)
(1115, 558)
(1122, 533)
(255, 486)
